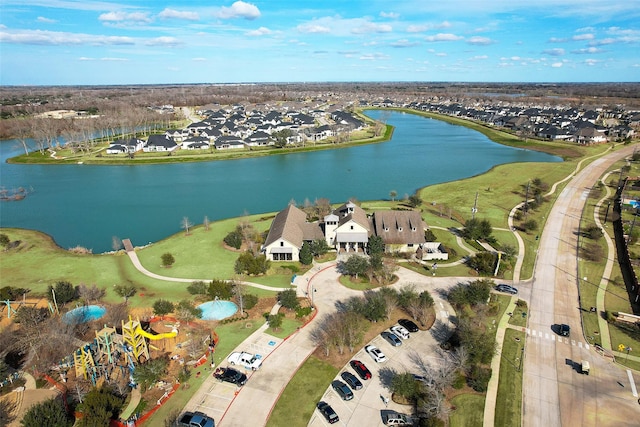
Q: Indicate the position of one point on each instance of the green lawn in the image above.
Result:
(310, 382)
(507, 411)
(468, 412)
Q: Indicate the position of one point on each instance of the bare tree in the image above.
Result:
(186, 224)
(206, 223)
(90, 293)
(116, 243)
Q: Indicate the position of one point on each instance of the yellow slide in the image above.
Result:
(156, 337)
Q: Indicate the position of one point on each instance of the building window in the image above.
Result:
(281, 244)
(352, 227)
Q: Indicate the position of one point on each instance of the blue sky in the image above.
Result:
(68, 42)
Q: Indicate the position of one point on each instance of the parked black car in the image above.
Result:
(361, 369)
(342, 389)
(328, 412)
(230, 375)
(351, 380)
(408, 325)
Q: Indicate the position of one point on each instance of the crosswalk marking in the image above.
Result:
(541, 334)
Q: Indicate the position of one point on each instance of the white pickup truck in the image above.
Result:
(245, 359)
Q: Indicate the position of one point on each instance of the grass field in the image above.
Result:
(311, 382)
(469, 411)
(510, 382)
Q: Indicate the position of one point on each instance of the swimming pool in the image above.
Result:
(84, 314)
(217, 310)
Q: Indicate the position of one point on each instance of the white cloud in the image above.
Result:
(239, 9)
(603, 42)
(372, 27)
(177, 14)
(163, 41)
(587, 36)
(120, 17)
(558, 40)
(311, 28)
(426, 27)
(390, 15)
(46, 20)
(479, 57)
(404, 43)
(443, 37)
(556, 64)
(54, 38)
(480, 41)
(589, 50)
(199, 59)
(262, 31)
(591, 62)
(106, 59)
(515, 58)
(554, 52)
(373, 56)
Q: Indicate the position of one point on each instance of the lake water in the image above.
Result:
(87, 205)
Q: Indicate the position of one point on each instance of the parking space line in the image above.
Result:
(634, 391)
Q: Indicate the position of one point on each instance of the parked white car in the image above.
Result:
(400, 331)
(245, 359)
(375, 353)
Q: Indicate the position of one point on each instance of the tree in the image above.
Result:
(220, 289)
(186, 311)
(234, 239)
(4, 240)
(185, 224)
(90, 293)
(306, 256)
(198, 287)
(288, 299)
(375, 245)
(148, 373)
(275, 321)
(405, 385)
(393, 194)
(319, 247)
(483, 262)
(162, 307)
(7, 408)
(126, 290)
(414, 201)
(100, 405)
(353, 266)
(116, 243)
(206, 223)
(167, 260)
(530, 225)
(48, 413)
(477, 229)
(64, 292)
(248, 263)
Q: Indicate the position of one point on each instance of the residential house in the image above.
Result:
(196, 143)
(122, 146)
(160, 143)
(227, 142)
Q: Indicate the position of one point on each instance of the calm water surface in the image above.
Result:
(88, 205)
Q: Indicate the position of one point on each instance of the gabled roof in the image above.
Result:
(160, 141)
(291, 224)
(352, 212)
(399, 227)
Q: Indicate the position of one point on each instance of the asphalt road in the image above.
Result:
(554, 392)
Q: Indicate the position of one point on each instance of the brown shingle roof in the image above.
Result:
(399, 227)
(291, 225)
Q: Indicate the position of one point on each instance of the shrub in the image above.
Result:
(234, 239)
(249, 301)
(167, 260)
(162, 307)
(303, 312)
(459, 380)
(479, 378)
(198, 287)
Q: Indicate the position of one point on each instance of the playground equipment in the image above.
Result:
(110, 350)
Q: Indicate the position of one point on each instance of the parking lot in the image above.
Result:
(366, 406)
